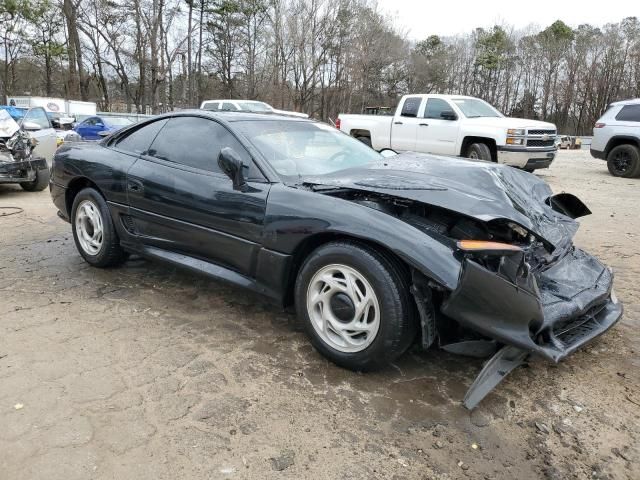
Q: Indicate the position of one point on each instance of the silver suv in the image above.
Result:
(616, 138)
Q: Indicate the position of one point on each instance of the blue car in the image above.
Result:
(90, 128)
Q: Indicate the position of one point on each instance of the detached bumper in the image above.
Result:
(551, 314)
(14, 172)
(526, 158)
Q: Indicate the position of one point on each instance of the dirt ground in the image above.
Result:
(146, 371)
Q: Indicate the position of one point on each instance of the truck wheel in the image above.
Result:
(355, 306)
(365, 140)
(624, 161)
(93, 231)
(39, 183)
(479, 151)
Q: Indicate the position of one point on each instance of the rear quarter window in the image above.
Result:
(138, 141)
(629, 113)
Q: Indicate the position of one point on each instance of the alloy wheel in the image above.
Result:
(621, 162)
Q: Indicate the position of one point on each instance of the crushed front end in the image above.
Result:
(16, 162)
(522, 288)
(533, 308)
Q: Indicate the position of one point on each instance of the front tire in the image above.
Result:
(479, 151)
(39, 183)
(624, 161)
(355, 306)
(93, 231)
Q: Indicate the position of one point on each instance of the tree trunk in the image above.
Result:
(189, 54)
(73, 83)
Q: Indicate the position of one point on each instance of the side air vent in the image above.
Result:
(127, 223)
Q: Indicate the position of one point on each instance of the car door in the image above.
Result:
(404, 127)
(43, 132)
(182, 202)
(84, 128)
(438, 129)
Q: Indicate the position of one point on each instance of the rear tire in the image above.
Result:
(365, 140)
(330, 279)
(39, 183)
(93, 231)
(479, 151)
(624, 161)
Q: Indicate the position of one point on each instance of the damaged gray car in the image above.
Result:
(17, 163)
(375, 252)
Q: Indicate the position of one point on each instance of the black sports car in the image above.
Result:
(373, 251)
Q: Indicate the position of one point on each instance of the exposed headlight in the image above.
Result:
(515, 131)
(488, 248)
(515, 141)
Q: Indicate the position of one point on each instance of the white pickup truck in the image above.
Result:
(456, 125)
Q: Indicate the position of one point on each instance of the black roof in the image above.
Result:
(239, 116)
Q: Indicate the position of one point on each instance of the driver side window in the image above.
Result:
(229, 107)
(435, 107)
(39, 117)
(196, 142)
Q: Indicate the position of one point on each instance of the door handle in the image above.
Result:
(135, 186)
(424, 124)
(397, 123)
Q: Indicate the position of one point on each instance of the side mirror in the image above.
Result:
(388, 152)
(105, 133)
(30, 126)
(231, 165)
(448, 115)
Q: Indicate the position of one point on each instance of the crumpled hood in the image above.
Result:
(482, 190)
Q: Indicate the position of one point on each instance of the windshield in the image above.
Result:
(15, 112)
(118, 121)
(254, 106)
(297, 149)
(474, 108)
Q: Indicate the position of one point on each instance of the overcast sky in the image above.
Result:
(421, 18)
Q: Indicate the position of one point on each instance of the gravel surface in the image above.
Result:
(146, 371)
